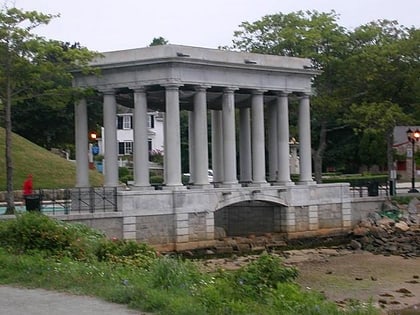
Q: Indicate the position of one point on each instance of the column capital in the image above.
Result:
(172, 85)
(138, 88)
(258, 91)
(201, 87)
(230, 89)
(304, 95)
(106, 90)
(282, 93)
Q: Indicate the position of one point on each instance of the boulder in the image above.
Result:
(402, 226)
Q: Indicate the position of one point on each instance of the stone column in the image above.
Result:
(258, 141)
(304, 123)
(272, 143)
(82, 143)
(200, 141)
(245, 161)
(141, 148)
(217, 146)
(229, 142)
(173, 137)
(111, 145)
(283, 150)
(191, 134)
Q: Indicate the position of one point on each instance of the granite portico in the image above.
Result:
(172, 77)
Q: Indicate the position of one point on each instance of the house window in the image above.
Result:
(127, 122)
(151, 121)
(125, 148)
(149, 143)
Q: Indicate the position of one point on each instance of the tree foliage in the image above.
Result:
(32, 67)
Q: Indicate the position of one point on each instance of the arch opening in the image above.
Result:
(250, 218)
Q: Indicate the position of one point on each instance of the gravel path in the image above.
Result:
(18, 301)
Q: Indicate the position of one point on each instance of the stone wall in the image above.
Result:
(155, 229)
(361, 207)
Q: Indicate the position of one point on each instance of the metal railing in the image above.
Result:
(67, 201)
(94, 199)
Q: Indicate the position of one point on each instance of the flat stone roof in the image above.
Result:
(192, 54)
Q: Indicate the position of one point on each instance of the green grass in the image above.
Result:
(48, 169)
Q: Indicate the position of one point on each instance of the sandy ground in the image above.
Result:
(390, 282)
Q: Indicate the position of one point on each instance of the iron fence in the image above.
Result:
(67, 201)
(94, 199)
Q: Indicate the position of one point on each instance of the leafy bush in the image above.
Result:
(263, 274)
(126, 252)
(175, 274)
(357, 180)
(124, 174)
(33, 231)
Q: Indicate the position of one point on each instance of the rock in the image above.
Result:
(360, 231)
(209, 252)
(403, 290)
(366, 223)
(414, 206)
(355, 245)
(219, 232)
(402, 226)
(386, 222)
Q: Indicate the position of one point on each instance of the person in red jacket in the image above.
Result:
(27, 186)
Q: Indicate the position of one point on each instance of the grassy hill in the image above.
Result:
(48, 169)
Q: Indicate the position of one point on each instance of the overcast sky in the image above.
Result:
(105, 25)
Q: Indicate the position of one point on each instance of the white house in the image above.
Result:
(125, 134)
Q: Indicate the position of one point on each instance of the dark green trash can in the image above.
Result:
(373, 189)
(33, 203)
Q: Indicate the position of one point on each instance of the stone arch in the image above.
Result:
(251, 217)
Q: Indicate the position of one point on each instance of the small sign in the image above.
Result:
(95, 150)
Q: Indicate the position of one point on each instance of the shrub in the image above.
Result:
(156, 179)
(33, 231)
(126, 252)
(175, 274)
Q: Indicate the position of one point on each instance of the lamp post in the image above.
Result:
(413, 137)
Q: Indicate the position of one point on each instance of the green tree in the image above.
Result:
(32, 67)
(383, 64)
(376, 122)
(383, 86)
(157, 41)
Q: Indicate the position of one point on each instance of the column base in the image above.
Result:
(261, 184)
(200, 186)
(229, 185)
(141, 187)
(174, 187)
(307, 182)
(283, 183)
